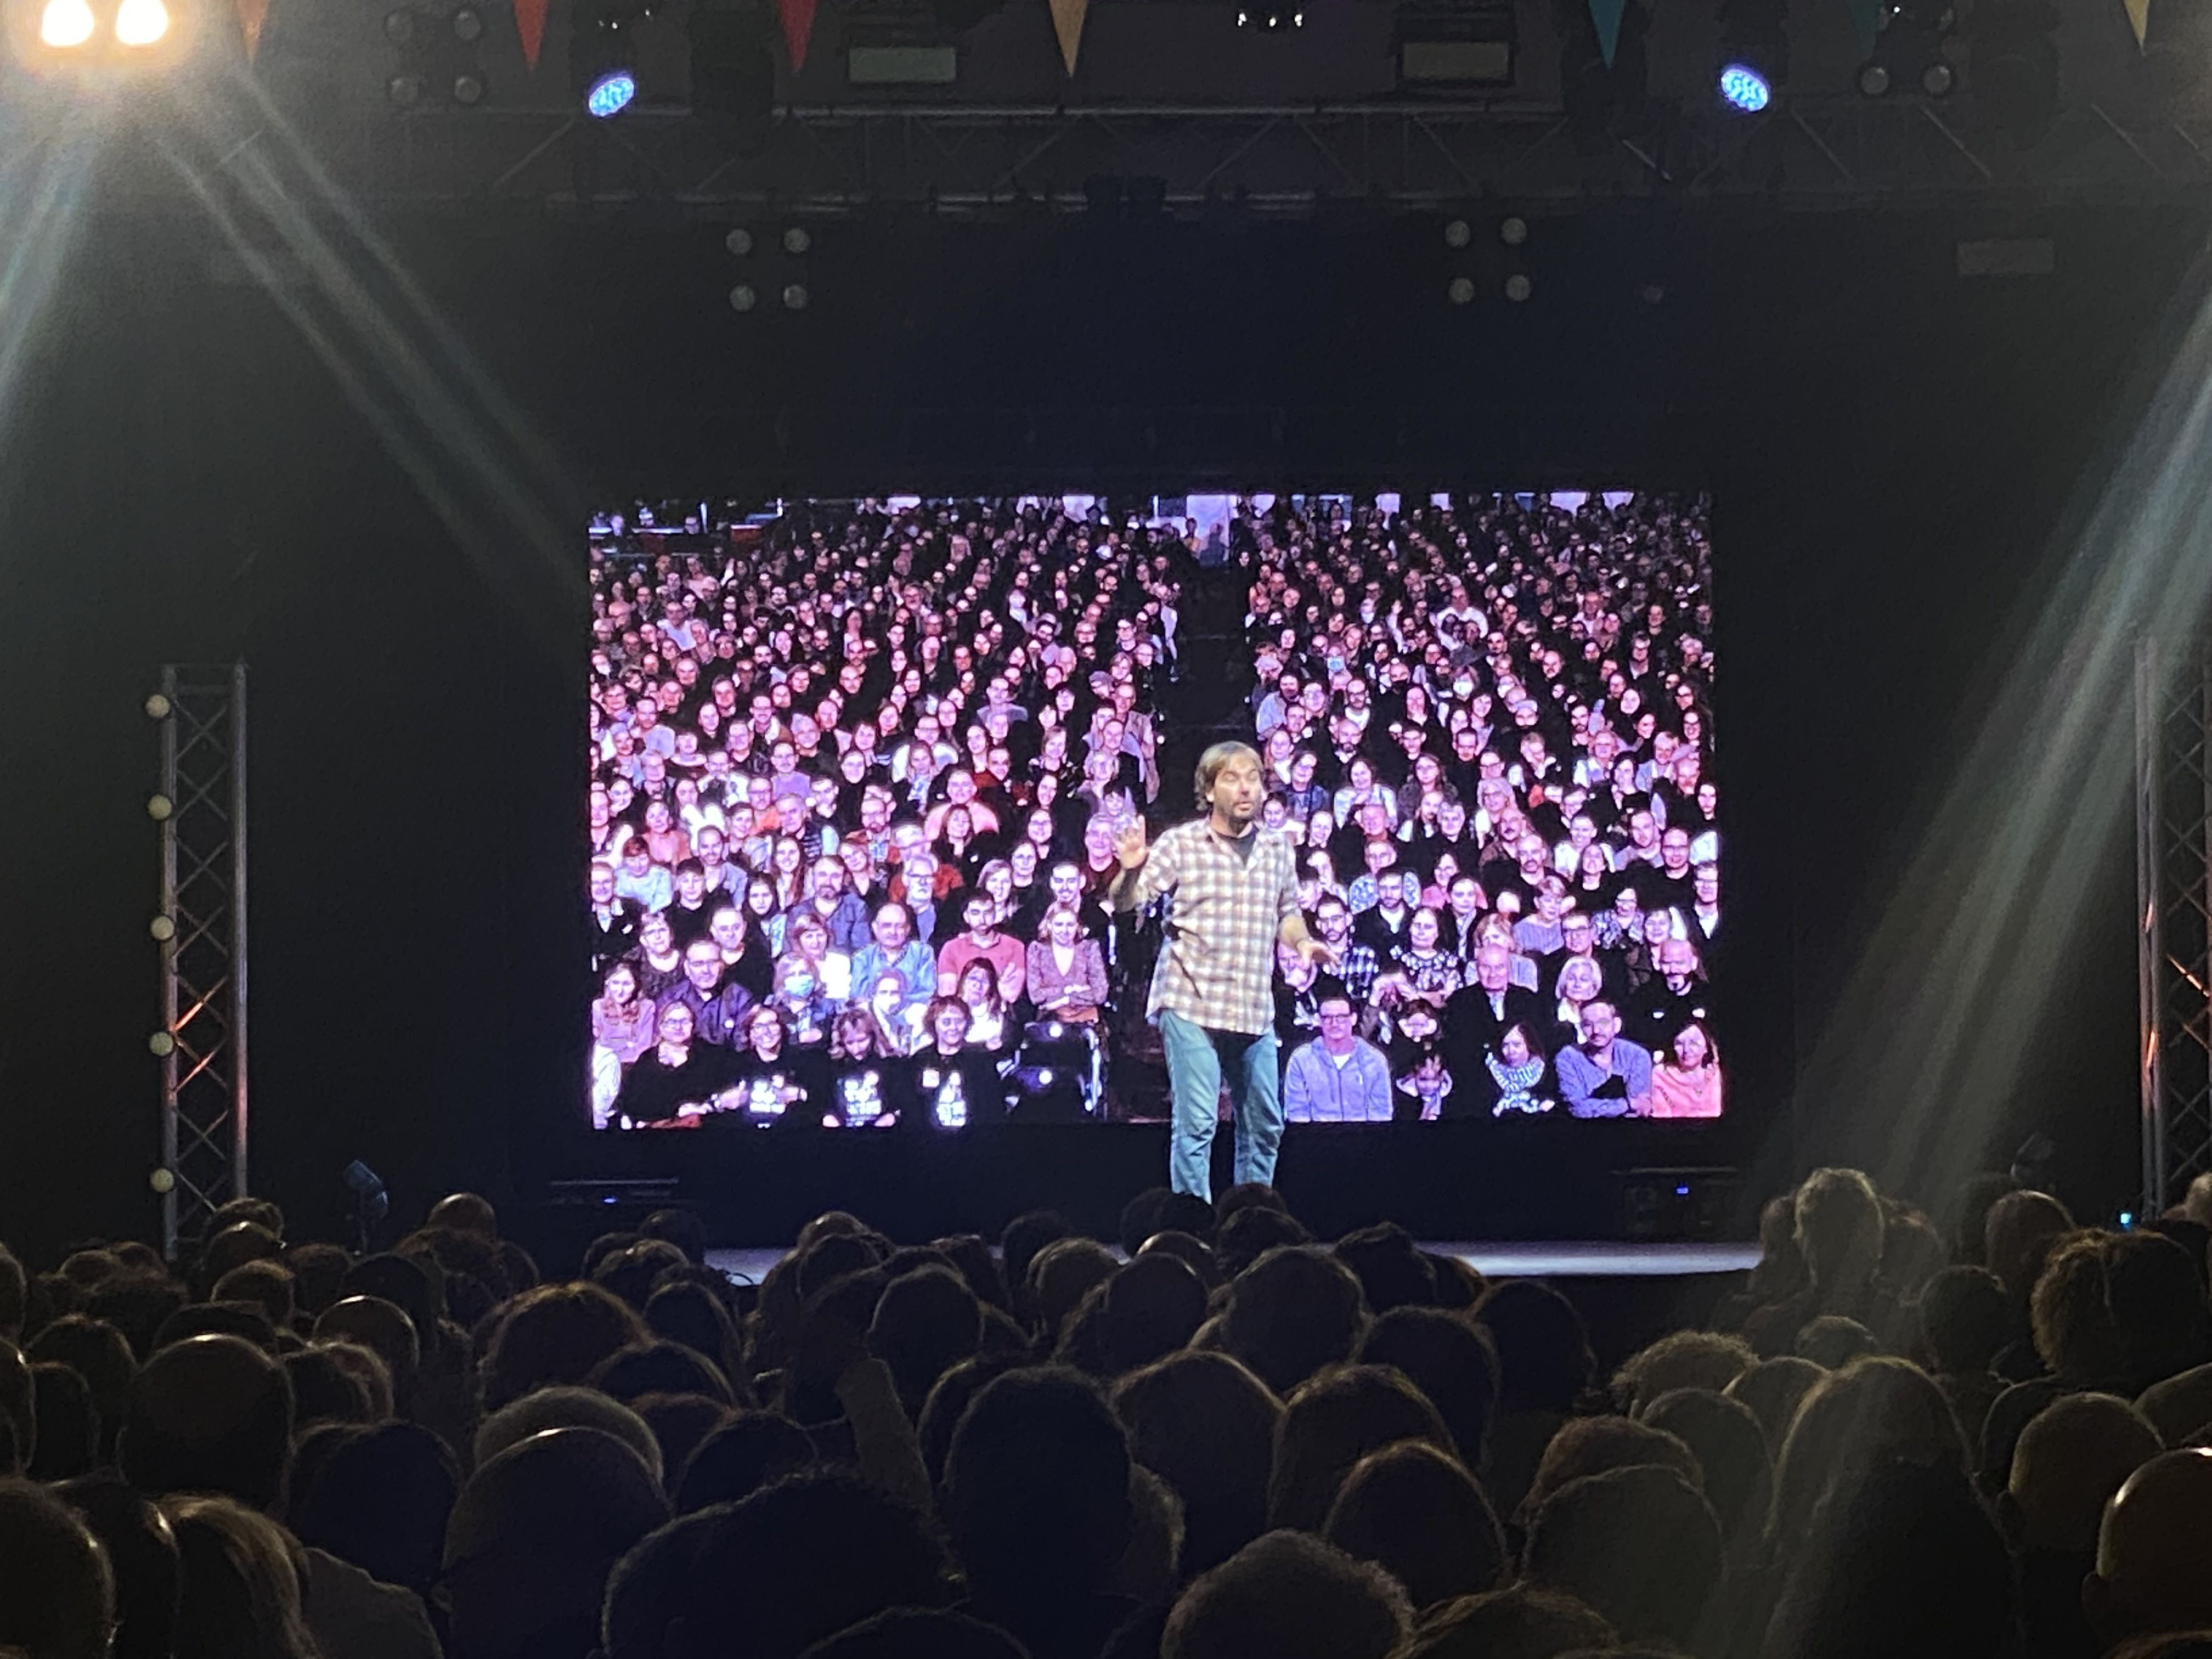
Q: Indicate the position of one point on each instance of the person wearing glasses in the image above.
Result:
(1339, 1077)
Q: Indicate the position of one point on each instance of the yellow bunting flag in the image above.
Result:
(251, 14)
(1067, 23)
(2138, 18)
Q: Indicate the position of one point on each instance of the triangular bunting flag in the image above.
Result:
(1607, 14)
(530, 24)
(1866, 24)
(797, 17)
(251, 14)
(2138, 18)
(1067, 17)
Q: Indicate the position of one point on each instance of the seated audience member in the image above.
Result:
(1289, 1595)
(1339, 1077)
(1901, 1559)
(1066, 972)
(981, 941)
(1836, 1224)
(1416, 1513)
(57, 1593)
(954, 1087)
(1604, 1075)
(1685, 1082)
(1523, 1622)
(864, 1088)
(2069, 1462)
(535, 1534)
(1036, 1498)
(2153, 1569)
(1333, 1420)
(1964, 1323)
(1640, 1545)
(1206, 1425)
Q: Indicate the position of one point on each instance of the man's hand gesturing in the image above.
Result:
(1129, 844)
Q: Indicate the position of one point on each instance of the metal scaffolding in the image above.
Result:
(1815, 154)
(2173, 912)
(202, 930)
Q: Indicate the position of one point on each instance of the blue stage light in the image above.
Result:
(611, 94)
(1744, 87)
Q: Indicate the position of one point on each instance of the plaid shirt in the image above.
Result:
(1218, 967)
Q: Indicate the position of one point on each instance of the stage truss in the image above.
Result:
(985, 160)
(204, 981)
(2173, 912)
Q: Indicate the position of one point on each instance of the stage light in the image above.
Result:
(1460, 291)
(796, 241)
(743, 298)
(1744, 87)
(399, 26)
(468, 90)
(468, 25)
(1909, 50)
(162, 929)
(795, 297)
(158, 808)
(1755, 54)
(1271, 16)
(1458, 233)
(740, 241)
(161, 1045)
(157, 707)
(1517, 287)
(163, 1180)
(65, 24)
(405, 90)
(141, 22)
(1513, 230)
(611, 94)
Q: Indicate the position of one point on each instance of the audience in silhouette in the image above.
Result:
(1220, 1439)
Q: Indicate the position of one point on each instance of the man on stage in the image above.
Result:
(1232, 891)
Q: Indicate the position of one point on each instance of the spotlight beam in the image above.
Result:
(1961, 971)
(492, 481)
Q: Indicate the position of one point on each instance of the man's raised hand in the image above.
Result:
(1129, 844)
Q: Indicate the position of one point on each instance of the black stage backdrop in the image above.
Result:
(383, 515)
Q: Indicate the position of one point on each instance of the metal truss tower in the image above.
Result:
(2173, 912)
(201, 931)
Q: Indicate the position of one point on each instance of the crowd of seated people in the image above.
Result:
(1487, 726)
(855, 781)
(1899, 1436)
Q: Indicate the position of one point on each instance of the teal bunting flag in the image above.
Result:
(1607, 14)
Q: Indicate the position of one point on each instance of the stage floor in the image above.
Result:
(1499, 1261)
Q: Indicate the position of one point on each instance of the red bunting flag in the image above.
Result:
(797, 17)
(530, 24)
(251, 14)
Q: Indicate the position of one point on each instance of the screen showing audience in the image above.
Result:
(859, 770)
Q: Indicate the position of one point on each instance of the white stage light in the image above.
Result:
(141, 22)
(65, 23)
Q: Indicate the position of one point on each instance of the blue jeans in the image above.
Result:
(1197, 1059)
